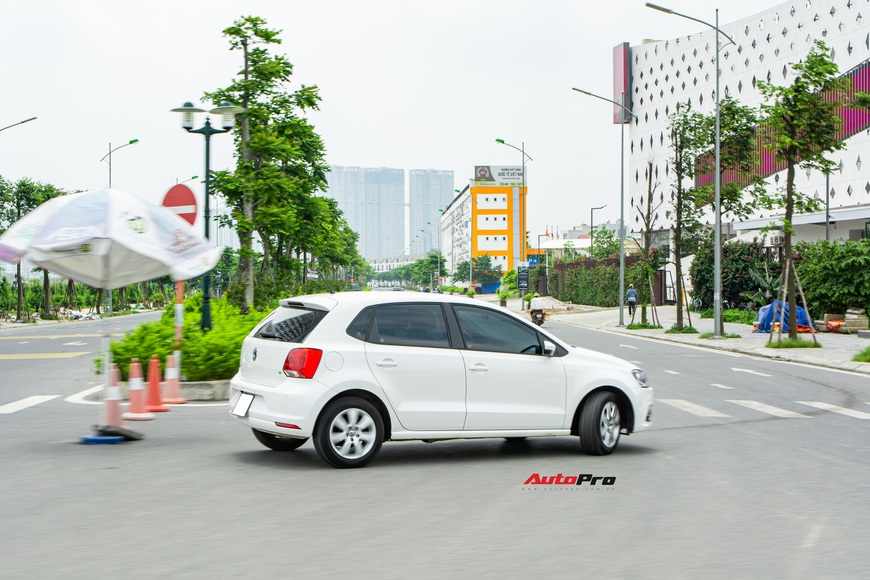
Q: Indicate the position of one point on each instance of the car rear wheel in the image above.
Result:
(277, 442)
(349, 433)
(600, 423)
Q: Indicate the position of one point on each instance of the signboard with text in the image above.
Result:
(499, 176)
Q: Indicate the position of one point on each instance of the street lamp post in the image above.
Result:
(521, 149)
(621, 197)
(228, 113)
(717, 186)
(546, 265)
(108, 156)
(592, 227)
(18, 123)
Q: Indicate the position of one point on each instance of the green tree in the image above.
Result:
(485, 270)
(281, 161)
(17, 200)
(689, 137)
(647, 206)
(605, 244)
(803, 124)
(835, 275)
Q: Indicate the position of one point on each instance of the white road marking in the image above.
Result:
(770, 410)
(813, 536)
(76, 343)
(672, 372)
(721, 386)
(692, 408)
(25, 403)
(629, 346)
(749, 371)
(836, 409)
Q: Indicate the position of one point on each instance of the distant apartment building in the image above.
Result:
(430, 192)
(373, 203)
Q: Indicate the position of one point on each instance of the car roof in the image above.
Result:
(362, 299)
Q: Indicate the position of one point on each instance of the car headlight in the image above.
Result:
(640, 377)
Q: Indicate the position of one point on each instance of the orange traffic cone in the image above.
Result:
(136, 393)
(173, 388)
(112, 407)
(154, 404)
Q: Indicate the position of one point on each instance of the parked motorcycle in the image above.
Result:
(537, 316)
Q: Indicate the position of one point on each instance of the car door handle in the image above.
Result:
(479, 368)
(387, 362)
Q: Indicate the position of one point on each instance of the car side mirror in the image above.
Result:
(549, 348)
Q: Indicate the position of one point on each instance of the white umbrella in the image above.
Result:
(108, 239)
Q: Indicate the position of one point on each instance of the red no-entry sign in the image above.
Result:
(181, 200)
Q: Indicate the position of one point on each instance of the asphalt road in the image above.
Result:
(752, 469)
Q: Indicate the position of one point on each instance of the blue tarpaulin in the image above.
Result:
(766, 314)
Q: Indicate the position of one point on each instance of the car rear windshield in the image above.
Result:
(290, 324)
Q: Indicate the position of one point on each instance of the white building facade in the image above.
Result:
(682, 70)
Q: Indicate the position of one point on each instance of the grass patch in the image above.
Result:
(642, 326)
(684, 330)
(863, 356)
(793, 343)
(726, 335)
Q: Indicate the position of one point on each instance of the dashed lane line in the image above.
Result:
(769, 409)
(25, 403)
(692, 408)
(836, 409)
(720, 386)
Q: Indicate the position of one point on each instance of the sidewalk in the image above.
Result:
(837, 349)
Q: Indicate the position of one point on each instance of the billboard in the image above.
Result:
(499, 176)
(621, 82)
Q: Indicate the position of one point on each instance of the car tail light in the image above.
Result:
(302, 362)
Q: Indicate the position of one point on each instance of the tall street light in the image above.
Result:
(717, 186)
(228, 113)
(621, 196)
(18, 123)
(592, 227)
(521, 149)
(108, 156)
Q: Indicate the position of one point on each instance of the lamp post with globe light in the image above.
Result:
(228, 112)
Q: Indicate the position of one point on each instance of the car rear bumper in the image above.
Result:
(287, 409)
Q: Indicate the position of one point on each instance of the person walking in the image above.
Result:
(631, 298)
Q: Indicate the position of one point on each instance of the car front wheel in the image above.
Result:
(600, 423)
(349, 433)
(277, 442)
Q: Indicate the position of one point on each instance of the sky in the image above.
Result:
(404, 84)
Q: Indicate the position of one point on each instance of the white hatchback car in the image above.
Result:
(354, 369)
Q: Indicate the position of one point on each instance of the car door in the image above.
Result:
(510, 383)
(408, 351)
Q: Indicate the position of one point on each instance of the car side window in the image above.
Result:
(410, 325)
(484, 329)
(359, 328)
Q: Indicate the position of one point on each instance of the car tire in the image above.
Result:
(600, 424)
(349, 433)
(278, 442)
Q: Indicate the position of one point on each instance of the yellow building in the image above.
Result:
(498, 210)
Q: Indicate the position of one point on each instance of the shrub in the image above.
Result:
(793, 343)
(739, 316)
(684, 330)
(213, 355)
(863, 356)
